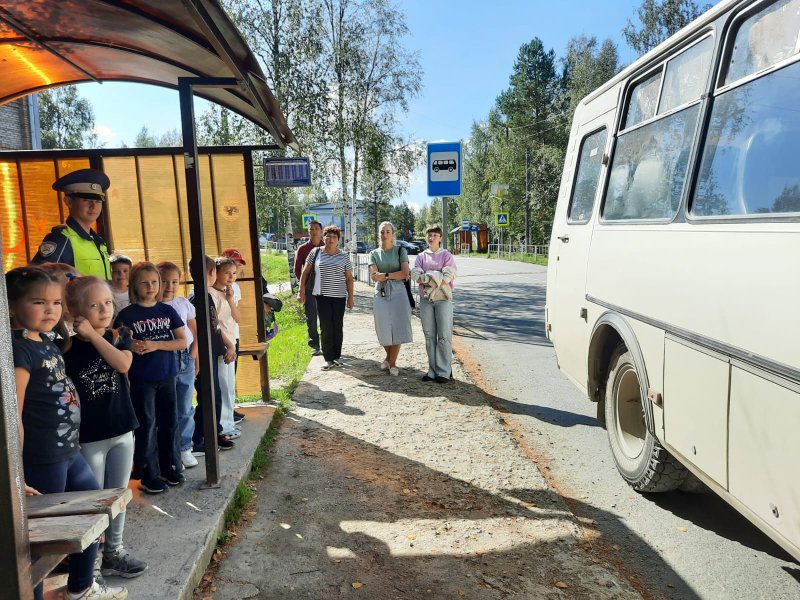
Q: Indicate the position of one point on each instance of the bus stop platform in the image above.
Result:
(176, 531)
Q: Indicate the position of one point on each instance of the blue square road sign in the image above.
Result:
(444, 169)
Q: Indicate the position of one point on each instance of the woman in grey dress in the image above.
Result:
(388, 266)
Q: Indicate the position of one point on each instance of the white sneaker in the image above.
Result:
(328, 365)
(187, 459)
(394, 371)
(233, 434)
(99, 592)
(385, 365)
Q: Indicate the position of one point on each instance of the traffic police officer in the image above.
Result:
(75, 243)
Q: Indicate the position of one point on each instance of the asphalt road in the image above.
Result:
(674, 545)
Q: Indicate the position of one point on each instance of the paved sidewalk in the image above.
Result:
(389, 487)
(176, 531)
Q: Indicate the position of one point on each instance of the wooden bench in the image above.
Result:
(67, 523)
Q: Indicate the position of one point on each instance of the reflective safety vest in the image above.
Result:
(90, 258)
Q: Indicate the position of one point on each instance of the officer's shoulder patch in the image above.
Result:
(58, 229)
(47, 248)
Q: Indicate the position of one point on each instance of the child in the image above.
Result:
(120, 272)
(157, 333)
(187, 359)
(62, 272)
(228, 314)
(96, 363)
(222, 350)
(237, 258)
(49, 412)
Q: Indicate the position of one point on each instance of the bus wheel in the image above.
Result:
(640, 458)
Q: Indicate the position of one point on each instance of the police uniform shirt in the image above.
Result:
(56, 247)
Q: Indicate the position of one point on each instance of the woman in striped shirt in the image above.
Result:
(332, 287)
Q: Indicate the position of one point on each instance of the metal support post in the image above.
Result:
(206, 394)
(445, 227)
(527, 197)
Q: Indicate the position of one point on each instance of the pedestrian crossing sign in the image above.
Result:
(501, 219)
(307, 218)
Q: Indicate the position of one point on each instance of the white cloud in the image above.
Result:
(105, 134)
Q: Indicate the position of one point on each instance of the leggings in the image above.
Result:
(111, 461)
(68, 475)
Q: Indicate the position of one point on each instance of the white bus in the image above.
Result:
(673, 291)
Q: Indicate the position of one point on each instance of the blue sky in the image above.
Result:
(466, 49)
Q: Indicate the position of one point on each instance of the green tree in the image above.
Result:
(145, 139)
(371, 78)
(67, 120)
(657, 20)
(587, 67)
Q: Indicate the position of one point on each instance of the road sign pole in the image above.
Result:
(445, 228)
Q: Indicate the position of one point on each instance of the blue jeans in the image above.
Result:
(155, 450)
(69, 475)
(437, 323)
(184, 389)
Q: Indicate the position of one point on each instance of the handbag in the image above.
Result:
(407, 283)
(312, 274)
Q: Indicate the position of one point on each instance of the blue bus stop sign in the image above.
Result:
(465, 224)
(444, 169)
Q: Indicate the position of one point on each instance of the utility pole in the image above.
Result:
(527, 199)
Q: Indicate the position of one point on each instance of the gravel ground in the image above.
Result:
(388, 487)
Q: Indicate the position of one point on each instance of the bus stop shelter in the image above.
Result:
(188, 45)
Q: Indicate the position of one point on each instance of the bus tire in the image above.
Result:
(641, 460)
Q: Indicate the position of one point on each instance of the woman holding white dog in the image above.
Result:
(435, 270)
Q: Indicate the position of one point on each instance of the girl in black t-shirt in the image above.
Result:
(97, 362)
(49, 410)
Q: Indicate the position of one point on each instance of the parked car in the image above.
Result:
(363, 247)
(419, 244)
(410, 248)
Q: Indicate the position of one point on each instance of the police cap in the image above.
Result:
(84, 182)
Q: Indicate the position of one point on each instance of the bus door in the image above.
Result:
(572, 232)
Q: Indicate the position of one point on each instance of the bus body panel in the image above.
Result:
(712, 302)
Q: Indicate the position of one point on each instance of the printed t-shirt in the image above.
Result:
(186, 312)
(151, 323)
(51, 414)
(106, 409)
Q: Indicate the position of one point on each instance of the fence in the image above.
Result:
(517, 251)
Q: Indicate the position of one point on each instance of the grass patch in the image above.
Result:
(274, 266)
(288, 352)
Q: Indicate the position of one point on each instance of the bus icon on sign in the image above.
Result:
(441, 165)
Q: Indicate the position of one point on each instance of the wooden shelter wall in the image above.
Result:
(146, 218)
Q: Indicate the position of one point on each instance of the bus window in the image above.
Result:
(749, 162)
(643, 102)
(686, 76)
(649, 168)
(587, 177)
(765, 39)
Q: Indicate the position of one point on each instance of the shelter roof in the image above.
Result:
(47, 43)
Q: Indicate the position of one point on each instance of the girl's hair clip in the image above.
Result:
(70, 276)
